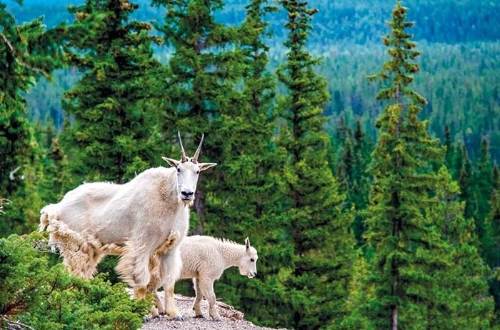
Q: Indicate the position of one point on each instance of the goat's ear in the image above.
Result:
(171, 162)
(247, 243)
(206, 166)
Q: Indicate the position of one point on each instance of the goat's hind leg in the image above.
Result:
(207, 289)
(77, 251)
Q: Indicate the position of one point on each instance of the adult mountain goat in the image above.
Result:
(131, 220)
(204, 259)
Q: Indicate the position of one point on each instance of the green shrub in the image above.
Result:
(37, 291)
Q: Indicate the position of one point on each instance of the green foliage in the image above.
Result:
(37, 291)
(420, 238)
(27, 51)
(466, 303)
(481, 189)
(113, 134)
(408, 246)
(352, 170)
(319, 224)
(251, 168)
(199, 90)
(493, 253)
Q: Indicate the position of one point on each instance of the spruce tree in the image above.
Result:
(406, 244)
(465, 181)
(492, 250)
(112, 134)
(203, 69)
(320, 227)
(450, 150)
(246, 201)
(481, 192)
(27, 52)
(467, 304)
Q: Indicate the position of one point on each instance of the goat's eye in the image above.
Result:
(178, 170)
(252, 259)
(197, 172)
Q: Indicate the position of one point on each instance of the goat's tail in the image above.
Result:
(45, 216)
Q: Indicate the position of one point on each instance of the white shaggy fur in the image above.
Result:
(138, 215)
(204, 260)
(132, 220)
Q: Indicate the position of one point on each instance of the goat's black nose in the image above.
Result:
(187, 193)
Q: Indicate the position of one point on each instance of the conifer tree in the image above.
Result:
(345, 166)
(247, 202)
(359, 293)
(351, 172)
(481, 191)
(203, 69)
(406, 244)
(493, 220)
(54, 182)
(450, 150)
(467, 305)
(360, 187)
(112, 135)
(320, 227)
(492, 251)
(27, 52)
(465, 180)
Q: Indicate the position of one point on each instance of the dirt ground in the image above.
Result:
(231, 318)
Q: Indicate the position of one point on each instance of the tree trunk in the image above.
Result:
(394, 318)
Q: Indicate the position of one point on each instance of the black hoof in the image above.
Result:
(177, 318)
(151, 318)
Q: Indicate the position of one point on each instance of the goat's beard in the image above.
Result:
(187, 202)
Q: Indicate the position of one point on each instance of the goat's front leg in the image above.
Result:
(207, 289)
(197, 300)
(154, 269)
(157, 308)
(170, 272)
(133, 266)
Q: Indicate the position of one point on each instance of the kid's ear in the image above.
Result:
(247, 243)
(206, 166)
(171, 162)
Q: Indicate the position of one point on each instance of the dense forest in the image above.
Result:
(357, 144)
(458, 39)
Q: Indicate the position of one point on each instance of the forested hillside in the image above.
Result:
(357, 145)
(459, 41)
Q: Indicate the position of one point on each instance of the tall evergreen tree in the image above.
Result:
(407, 245)
(247, 202)
(481, 190)
(203, 69)
(465, 180)
(450, 148)
(492, 250)
(27, 51)
(467, 305)
(320, 228)
(351, 171)
(112, 135)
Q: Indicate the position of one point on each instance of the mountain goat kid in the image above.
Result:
(204, 259)
(132, 220)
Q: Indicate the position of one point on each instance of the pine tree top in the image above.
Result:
(399, 70)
